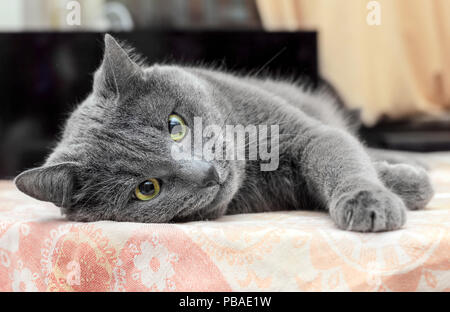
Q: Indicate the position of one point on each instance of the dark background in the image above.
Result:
(45, 75)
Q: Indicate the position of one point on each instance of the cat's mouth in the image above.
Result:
(215, 197)
(202, 203)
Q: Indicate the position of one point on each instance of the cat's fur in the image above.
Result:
(118, 137)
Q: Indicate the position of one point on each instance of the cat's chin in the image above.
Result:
(207, 200)
(219, 198)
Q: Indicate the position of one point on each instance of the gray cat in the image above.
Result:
(114, 161)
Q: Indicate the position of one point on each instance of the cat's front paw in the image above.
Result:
(368, 210)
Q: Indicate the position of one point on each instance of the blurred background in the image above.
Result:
(387, 59)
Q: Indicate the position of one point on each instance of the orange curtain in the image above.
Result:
(398, 68)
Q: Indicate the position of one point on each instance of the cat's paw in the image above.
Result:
(368, 210)
(411, 183)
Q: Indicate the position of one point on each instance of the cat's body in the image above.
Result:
(270, 102)
(117, 138)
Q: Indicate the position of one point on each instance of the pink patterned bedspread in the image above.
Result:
(282, 251)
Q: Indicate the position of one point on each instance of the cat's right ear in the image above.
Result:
(49, 183)
(116, 71)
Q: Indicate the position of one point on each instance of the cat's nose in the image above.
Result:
(200, 172)
(211, 177)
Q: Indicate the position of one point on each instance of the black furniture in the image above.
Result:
(44, 75)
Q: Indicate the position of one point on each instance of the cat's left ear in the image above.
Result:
(49, 183)
(117, 69)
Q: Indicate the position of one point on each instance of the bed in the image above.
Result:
(279, 251)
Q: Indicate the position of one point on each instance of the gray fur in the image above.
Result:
(410, 182)
(118, 137)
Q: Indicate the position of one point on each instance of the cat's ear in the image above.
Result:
(49, 183)
(117, 69)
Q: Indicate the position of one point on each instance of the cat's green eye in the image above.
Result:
(147, 190)
(177, 127)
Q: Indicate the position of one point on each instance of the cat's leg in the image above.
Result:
(411, 183)
(340, 173)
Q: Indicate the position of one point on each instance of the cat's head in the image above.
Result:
(114, 160)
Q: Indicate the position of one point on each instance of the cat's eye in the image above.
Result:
(147, 190)
(177, 127)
